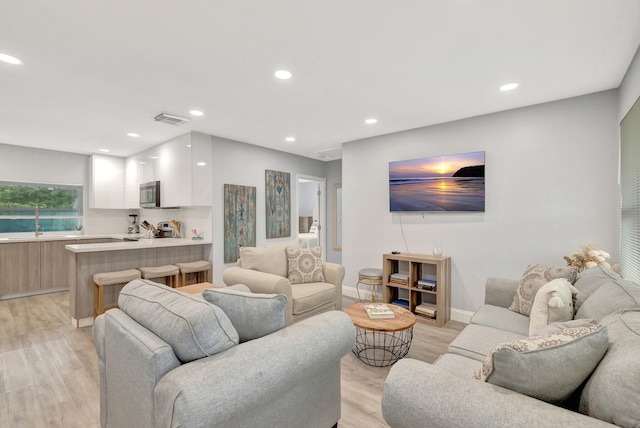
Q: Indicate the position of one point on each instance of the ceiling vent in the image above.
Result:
(170, 119)
(330, 154)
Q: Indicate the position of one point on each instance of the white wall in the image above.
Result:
(307, 199)
(551, 186)
(245, 164)
(630, 86)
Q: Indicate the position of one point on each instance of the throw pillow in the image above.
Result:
(612, 393)
(271, 259)
(252, 315)
(534, 277)
(615, 294)
(589, 281)
(556, 327)
(553, 303)
(305, 265)
(549, 368)
(193, 327)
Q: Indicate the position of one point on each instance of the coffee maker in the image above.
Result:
(133, 226)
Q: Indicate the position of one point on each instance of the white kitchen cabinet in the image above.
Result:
(183, 167)
(201, 169)
(133, 176)
(107, 182)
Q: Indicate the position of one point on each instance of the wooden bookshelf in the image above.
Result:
(417, 267)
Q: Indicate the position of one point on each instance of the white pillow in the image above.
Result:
(553, 303)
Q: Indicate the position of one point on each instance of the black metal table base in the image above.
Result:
(382, 348)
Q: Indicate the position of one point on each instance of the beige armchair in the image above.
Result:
(265, 270)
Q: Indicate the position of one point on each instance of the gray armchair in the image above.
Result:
(288, 378)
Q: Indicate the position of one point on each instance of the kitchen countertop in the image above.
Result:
(46, 237)
(135, 245)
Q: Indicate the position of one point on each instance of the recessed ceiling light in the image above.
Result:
(104, 150)
(508, 87)
(9, 59)
(155, 157)
(196, 113)
(290, 139)
(201, 164)
(133, 134)
(371, 121)
(283, 74)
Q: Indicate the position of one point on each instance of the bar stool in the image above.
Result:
(201, 267)
(102, 280)
(168, 272)
(371, 277)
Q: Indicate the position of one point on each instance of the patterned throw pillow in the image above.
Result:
(548, 368)
(305, 265)
(534, 277)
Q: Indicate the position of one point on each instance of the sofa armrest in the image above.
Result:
(420, 394)
(261, 282)
(334, 274)
(288, 378)
(500, 291)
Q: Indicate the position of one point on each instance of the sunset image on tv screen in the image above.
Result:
(443, 183)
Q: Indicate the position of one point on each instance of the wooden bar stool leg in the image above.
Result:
(95, 300)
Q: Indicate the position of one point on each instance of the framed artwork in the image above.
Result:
(278, 203)
(239, 220)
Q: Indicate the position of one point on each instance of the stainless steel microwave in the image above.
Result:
(150, 195)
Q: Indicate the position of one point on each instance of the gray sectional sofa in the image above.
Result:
(170, 359)
(446, 393)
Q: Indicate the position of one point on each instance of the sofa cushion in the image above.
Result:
(252, 314)
(502, 319)
(618, 293)
(549, 368)
(612, 393)
(271, 259)
(534, 277)
(193, 327)
(553, 303)
(304, 265)
(307, 297)
(476, 341)
(589, 280)
(458, 365)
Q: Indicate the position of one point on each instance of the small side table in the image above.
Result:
(196, 288)
(381, 342)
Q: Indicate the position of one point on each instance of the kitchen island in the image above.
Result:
(85, 260)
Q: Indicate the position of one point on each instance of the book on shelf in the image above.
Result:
(401, 302)
(428, 285)
(399, 282)
(426, 317)
(427, 281)
(400, 276)
(378, 311)
(427, 309)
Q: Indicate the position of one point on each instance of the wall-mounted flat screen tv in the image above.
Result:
(442, 183)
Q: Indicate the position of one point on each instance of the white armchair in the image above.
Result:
(265, 270)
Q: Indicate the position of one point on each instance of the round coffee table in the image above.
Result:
(381, 342)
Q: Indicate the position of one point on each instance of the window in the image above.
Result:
(56, 207)
(630, 186)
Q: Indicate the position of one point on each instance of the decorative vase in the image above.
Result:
(437, 249)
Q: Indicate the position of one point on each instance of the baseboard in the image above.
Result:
(82, 322)
(459, 315)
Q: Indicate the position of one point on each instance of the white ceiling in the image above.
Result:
(95, 70)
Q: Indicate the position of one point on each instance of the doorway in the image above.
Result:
(311, 212)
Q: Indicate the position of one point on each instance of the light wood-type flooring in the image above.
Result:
(49, 370)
